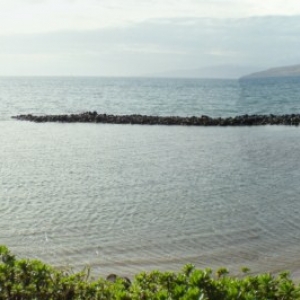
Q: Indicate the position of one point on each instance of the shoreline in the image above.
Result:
(94, 117)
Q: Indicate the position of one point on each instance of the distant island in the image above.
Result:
(287, 71)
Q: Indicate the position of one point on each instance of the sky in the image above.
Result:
(192, 38)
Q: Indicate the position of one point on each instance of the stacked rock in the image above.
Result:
(94, 117)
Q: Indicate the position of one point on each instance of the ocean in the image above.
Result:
(130, 198)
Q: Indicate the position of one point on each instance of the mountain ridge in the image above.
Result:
(285, 71)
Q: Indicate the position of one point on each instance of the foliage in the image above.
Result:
(22, 279)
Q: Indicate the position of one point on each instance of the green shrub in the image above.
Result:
(22, 279)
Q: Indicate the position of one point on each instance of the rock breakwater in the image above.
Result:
(94, 117)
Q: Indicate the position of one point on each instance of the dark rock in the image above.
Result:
(94, 117)
(112, 277)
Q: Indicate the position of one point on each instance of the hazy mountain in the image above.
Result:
(221, 71)
(287, 71)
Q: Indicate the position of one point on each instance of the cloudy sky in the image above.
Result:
(207, 38)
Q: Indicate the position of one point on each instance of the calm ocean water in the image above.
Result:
(127, 198)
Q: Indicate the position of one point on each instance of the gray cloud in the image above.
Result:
(165, 44)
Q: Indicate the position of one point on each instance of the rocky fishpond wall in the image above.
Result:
(94, 117)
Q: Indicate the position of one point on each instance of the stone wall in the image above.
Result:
(94, 117)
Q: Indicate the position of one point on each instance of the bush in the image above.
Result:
(22, 279)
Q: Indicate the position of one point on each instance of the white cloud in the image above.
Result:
(222, 53)
(154, 46)
(149, 49)
(32, 16)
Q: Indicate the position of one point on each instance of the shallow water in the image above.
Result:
(128, 198)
